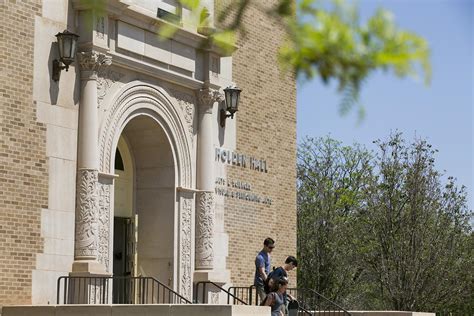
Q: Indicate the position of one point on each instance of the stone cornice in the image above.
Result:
(126, 11)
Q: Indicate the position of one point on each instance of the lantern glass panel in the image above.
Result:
(235, 100)
(228, 98)
(67, 43)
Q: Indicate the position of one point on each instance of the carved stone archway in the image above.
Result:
(135, 99)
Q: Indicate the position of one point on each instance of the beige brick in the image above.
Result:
(23, 172)
(266, 128)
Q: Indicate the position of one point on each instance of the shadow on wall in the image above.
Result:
(221, 129)
(53, 85)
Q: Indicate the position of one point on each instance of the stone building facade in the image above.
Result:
(129, 139)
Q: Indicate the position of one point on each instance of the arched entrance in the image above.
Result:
(144, 202)
(150, 133)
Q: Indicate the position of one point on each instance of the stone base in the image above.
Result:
(138, 310)
(88, 268)
(219, 277)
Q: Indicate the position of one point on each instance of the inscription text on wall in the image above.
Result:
(237, 159)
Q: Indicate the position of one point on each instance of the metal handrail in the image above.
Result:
(115, 289)
(326, 306)
(246, 293)
(204, 285)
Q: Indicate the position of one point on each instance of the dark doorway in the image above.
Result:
(123, 260)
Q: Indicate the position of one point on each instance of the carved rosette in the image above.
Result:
(86, 215)
(104, 225)
(208, 96)
(205, 231)
(93, 61)
(186, 212)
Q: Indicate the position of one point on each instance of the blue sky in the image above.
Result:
(442, 113)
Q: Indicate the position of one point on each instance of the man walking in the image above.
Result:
(262, 267)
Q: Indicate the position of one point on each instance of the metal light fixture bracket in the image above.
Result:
(232, 97)
(224, 116)
(57, 67)
(67, 46)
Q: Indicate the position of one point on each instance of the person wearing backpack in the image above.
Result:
(262, 267)
(275, 299)
(281, 272)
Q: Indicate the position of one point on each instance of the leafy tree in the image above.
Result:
(326, 39)
(416, 230)
(396, 238)
(332, 180)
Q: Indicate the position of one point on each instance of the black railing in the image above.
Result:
(310, 301)
(247, 294)
(203, 298)
(115, 290)
(315, 303)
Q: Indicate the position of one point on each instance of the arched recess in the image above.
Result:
(135, 99)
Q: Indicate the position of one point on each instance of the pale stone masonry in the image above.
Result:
(136, 121)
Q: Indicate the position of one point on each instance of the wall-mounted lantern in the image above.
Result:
(232, 97)
(67, 46)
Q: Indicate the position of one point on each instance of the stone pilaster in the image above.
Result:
(206, 266)
(87, 207)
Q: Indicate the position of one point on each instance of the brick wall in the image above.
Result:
(23, 166)
(266, 128)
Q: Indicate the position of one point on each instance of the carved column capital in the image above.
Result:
(207, 97)
(93, 61)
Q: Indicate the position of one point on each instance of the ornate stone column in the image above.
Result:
(205, 209)
(87, 206)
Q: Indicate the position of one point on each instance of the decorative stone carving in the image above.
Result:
(131, 97)
(214, 298)
(208, 96)
(104, 225)
(100, 27)
(93, 60)
(205, 231)
(86, 215)
(186, 103)
(106, 78)
(186, 212)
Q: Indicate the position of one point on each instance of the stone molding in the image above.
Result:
(86, 221)
(104, 225)
(186, 285)
(205, 231)
(142, 98)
